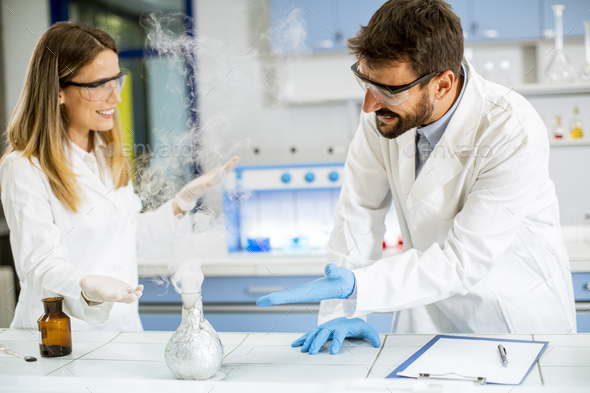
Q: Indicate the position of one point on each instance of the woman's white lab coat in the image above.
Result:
(54, 247)
(483, 250)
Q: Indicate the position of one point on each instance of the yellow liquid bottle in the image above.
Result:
(576, 125)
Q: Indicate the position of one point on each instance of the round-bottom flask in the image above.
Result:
(194, 351)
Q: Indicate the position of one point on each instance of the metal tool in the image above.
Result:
(4, 349)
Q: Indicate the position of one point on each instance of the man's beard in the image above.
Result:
(420, 116)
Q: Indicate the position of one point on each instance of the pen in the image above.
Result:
(503, 355)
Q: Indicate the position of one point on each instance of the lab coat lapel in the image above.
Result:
(86, 178)
(406, 146)
(444, 162)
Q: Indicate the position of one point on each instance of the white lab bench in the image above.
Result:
(257, 362)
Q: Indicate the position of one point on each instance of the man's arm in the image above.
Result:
(357, 238)
(482, 231)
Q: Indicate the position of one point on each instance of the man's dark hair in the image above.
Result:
(425, 33)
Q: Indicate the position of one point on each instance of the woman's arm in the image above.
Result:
(40, 258)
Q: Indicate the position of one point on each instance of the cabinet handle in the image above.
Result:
(265, 289)
(492, 33)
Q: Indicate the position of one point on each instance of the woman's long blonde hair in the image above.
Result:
(38, 126)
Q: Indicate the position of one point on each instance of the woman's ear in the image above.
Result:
(61, 97)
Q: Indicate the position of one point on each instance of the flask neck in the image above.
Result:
(558, 26)
(190, 300)
(53, 305)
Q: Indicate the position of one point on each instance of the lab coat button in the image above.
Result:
(448, 328)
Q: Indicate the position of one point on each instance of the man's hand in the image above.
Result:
(337, 284)
(337, 330)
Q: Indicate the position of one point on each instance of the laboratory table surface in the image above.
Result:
(259, 362)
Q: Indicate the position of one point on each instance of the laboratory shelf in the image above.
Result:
(544, 89)
(569, 143)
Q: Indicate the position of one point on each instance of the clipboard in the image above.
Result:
(474, 359)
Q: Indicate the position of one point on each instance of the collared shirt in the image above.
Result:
(94, 160)
(428, 136)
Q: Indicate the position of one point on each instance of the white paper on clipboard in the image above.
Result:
(461, 358)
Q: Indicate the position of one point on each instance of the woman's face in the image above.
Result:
(84, 114)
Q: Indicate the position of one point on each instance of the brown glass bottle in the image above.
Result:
(55, 333)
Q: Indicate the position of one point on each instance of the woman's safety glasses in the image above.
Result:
(100, 90)
(389, 95)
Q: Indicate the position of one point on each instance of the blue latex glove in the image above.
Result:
(337, 284)
(337, 330)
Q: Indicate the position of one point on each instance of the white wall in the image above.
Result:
(18, 43)
(273, 128)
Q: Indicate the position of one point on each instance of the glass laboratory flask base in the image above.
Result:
(55, 332)
(49, 351)
(194, 351)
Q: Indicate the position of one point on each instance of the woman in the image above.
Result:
(75, 227)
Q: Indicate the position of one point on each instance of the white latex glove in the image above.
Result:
(187, 197)
(101, 289)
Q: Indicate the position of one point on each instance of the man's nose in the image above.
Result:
(370, 104)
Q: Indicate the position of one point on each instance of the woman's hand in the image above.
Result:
(187, 197)
(100, 289)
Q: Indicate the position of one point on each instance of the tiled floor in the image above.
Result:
(259, 357)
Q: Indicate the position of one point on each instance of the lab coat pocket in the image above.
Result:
(540, 310)
(442, 230)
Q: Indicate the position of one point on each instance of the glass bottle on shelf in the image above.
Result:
(506, 78)
(488, 67)
(558, 130)
(55, 332)
(585, 74)
(576, 125)
(560, 68)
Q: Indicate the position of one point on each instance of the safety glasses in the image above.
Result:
(100, 90)
(389, 95)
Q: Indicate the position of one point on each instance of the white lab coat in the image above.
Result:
(483, 250)
(54, 247)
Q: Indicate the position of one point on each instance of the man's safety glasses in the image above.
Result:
(101, 90)
(389, 95)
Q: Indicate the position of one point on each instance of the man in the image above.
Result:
(465, 162)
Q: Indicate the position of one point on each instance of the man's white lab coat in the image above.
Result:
(483, 250)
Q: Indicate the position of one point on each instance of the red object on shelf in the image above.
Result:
(384, 245)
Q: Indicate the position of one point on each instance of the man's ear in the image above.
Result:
(443, 84)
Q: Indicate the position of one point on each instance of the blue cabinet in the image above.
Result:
(583, 322)
(464, 10)
(574, 13)
(328, 23)
(316, 17)
(352, 14)
(252, 322)
(229, 304)
(581, 283)
(505, 20)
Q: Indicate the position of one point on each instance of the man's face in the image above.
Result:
(392, 121)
